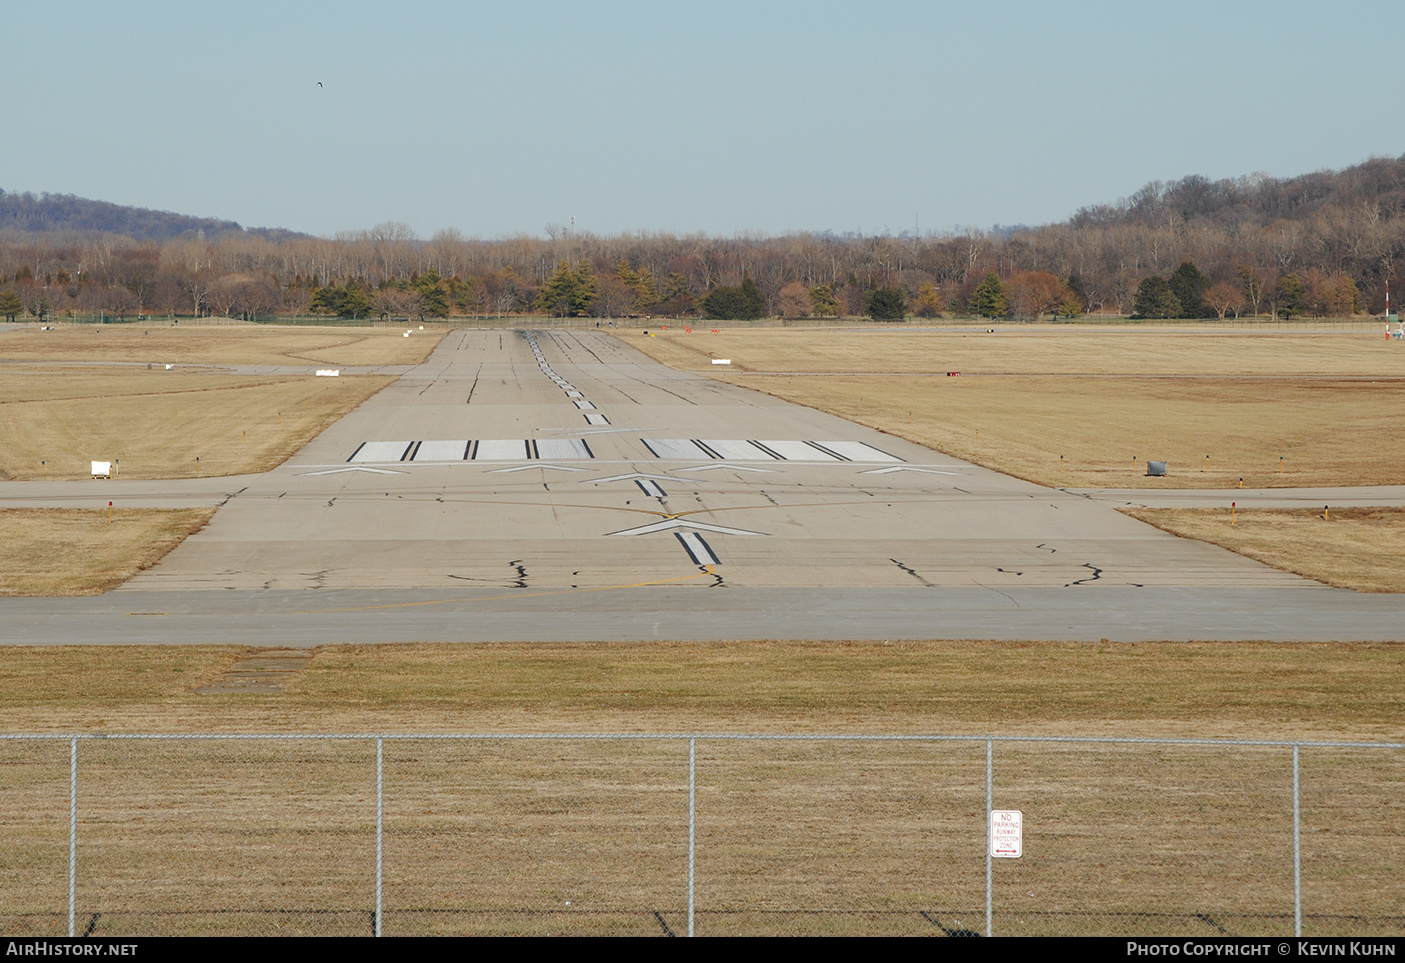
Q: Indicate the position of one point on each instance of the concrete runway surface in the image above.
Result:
(558, 485)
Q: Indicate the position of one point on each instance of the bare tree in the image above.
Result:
(1223, 298)
(794, 300)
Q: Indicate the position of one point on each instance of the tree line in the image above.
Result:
(1324, 244)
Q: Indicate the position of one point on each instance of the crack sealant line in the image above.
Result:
(498, 598)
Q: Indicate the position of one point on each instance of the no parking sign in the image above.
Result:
(1006, 833)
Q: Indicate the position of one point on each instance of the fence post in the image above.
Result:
(989, 805)
(692, 823)
(72, 834)
(380, 828)
(1297, 851)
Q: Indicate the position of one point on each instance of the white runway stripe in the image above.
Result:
(730, 450)
(736, 449)
(442, 451)
(857, 451)
(698, 549)
(382, 451)
(798, 451)
(557, 449)
(497, 449)
(674, 448)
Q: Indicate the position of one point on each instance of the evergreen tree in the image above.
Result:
(349, 300)
(1155, 299)
(569, 291)
(886, 303)
(929, 301)
(988, 300)
(1075, 285)
(744, 303)
(823, 303)
(641, 282)
(10, 304)
(1291, 291)
(677, 297)
(1189, 286)
(433, 292)
(753, 301)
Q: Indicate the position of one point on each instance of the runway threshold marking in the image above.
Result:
(706, 573)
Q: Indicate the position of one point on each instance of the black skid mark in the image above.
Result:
(1008, 572)
(1046, 548)
(911, 572)
(521, 572)
(1097, 574)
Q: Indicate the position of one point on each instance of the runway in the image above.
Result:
(561, 486)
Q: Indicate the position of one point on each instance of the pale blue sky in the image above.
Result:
(719, 117)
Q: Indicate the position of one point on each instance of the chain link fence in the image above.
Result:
(673, 835)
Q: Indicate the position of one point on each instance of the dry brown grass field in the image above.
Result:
(1326, 403)
(1355, 548)
(64, 551)
(155, 424)
(206, 344)
(1241, 690)
(263, 837)
(538, 837)
(83, 393)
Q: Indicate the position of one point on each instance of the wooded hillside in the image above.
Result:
(1321, 244)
